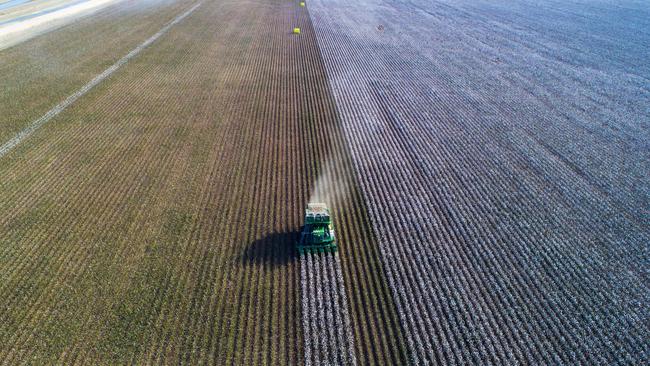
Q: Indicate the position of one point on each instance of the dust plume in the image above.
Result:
(331, 187)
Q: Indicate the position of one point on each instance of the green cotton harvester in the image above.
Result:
(318, 233)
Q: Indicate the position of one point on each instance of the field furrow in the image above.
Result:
(503, 238)
(171, 194)
(327, 327)
(485, 165)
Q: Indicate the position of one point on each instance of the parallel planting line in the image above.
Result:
(497, 251)
(56, 110)
(178, 202)
(374, 326)
(328, 338)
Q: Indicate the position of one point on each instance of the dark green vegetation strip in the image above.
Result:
(154, 220)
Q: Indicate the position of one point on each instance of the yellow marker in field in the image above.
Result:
(296, 30)
(302, 3)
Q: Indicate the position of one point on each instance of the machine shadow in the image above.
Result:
(275, 249)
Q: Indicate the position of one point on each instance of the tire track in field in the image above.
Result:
(327, 328)
(146, 152)
(43, 71)
(56, 110)
(145, 155)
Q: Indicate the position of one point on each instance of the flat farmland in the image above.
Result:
(486, 164)
(42, 72)
(510, 188)
(154, 220)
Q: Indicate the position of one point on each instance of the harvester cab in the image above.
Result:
(318, 232)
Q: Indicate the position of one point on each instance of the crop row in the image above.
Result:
(327, 330)
(95, 203)
(496, 250)
(42, 72)
(171, 194)
(148, 211)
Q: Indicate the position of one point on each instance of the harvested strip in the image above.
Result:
(22, 135)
